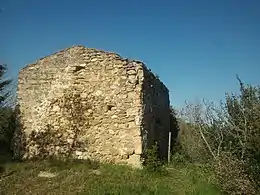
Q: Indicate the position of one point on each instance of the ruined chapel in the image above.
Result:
(91, 104)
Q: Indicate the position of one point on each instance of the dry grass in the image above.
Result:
(81, 177)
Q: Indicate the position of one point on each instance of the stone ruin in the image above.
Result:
(91, 104)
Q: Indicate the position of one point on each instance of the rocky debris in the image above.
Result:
(95, 172)
(47, 174)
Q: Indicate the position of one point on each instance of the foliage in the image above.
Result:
(243, 135)
(190, 142)
(179, 158)
(4, 83)
(7, 117)
(232, 176)
(151, 160)
(7, 127)
(179, 155)
(174, 127)
(227, 136)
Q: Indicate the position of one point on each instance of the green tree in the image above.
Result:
(228, 137)
(243, 135)
(4, 83)
(7, 119)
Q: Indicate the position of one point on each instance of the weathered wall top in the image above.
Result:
(76, 48)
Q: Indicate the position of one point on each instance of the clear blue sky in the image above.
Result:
(196, 46)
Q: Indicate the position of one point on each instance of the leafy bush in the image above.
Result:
(151, 160)
(178, 158)
(4, 84)
(227, 136)
(192, 144)
(7, 117)
(7, 127)
(179, 155)
(232, 177)
(243, 132)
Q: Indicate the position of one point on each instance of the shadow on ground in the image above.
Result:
(5, 157)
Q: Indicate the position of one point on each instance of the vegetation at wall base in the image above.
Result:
(151, 160)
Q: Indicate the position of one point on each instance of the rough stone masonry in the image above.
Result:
(91, 104)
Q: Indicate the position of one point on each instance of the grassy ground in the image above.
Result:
(81, 177)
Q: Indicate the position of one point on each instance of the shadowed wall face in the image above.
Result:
(84, 103)
(156, 113)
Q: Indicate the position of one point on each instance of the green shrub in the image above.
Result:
(7, 127)
(7, 119)
(179, 155)
(151, 160)
(179, 158)
(232, 177)
(227, 135)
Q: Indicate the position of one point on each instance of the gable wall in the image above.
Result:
(89, 104)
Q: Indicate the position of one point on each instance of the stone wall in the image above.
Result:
(88, 103)
(156, 112)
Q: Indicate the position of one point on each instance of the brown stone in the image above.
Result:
(131, 72)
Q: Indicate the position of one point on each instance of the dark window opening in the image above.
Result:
(109, 107)
(78, 68)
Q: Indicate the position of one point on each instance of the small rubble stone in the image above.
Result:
(47, 174)
(96, 172)
(131, 72)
